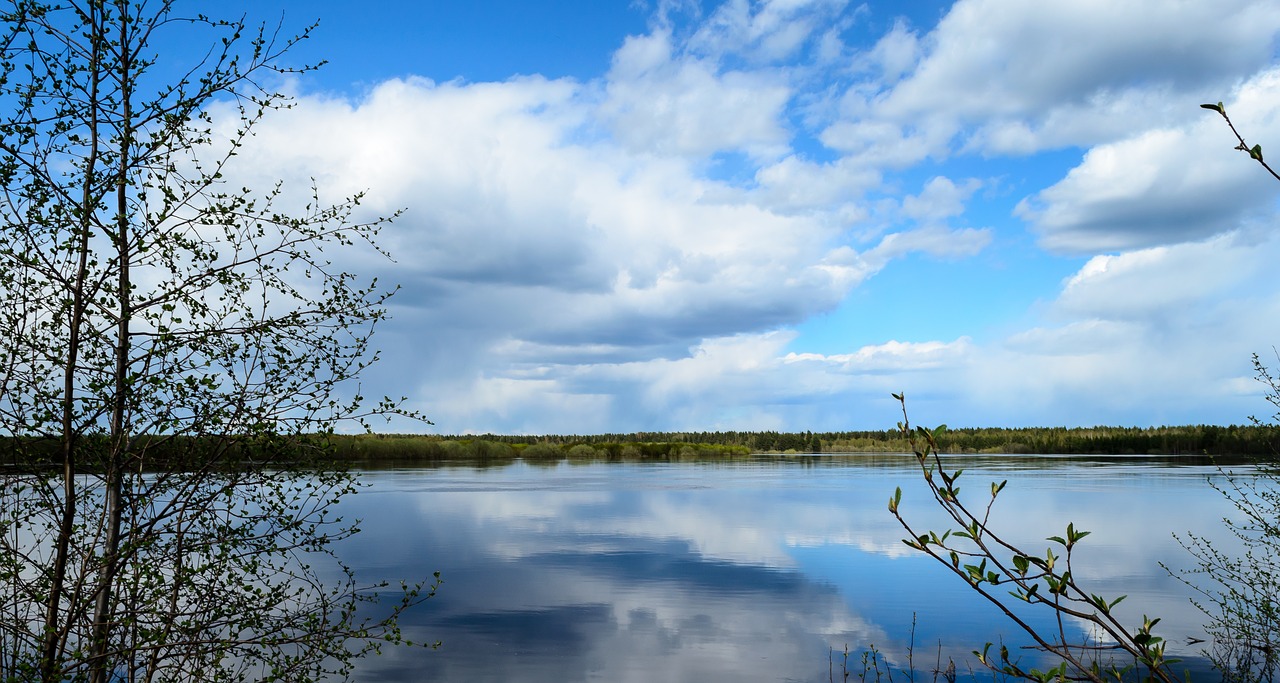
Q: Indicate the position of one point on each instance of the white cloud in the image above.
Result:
(764, 31)
(1060, 65)
(940, 199)
(1162, 281)
(636, 251)
(528, 243)
(897, 53)
(935, 241)
(499, 193)
(795, 185)
(892, 145)
(893, 356)
(1089, 336)
(1164, 185)
(659, 102)
(1162, 334)
(1154, 336)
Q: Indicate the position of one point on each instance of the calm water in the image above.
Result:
(750, 571)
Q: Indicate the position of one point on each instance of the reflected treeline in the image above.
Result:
(1249, 440)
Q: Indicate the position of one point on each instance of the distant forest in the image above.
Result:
(1247, 440)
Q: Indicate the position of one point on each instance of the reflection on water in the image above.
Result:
(747, 571)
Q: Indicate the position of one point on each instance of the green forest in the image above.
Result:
(1234, 440)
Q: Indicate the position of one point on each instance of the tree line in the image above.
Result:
(1233, 440)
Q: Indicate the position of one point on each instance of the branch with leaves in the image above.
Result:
(1254, 152)
(1007, 575)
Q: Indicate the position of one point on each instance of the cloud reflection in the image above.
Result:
(707, 572)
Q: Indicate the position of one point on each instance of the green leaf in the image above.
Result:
(1213, 107)
(1256, 152)
(1074, 535)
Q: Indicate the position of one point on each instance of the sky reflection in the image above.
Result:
(749, 571)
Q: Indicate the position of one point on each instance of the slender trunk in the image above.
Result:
(103, 612)
(54, 631)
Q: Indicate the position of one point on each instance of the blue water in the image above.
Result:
(756, 570)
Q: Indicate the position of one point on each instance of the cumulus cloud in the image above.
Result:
(1068, 72)
(1164, 185)
(498, 194)
(1161, 280)
(796, 185)
(639, 250)
(766, 31)
(892, 356)
(657, 102)
(940, 199)
(932, 240)
(1163, 335)
(897, 53)
(526, 242)
(890, 144)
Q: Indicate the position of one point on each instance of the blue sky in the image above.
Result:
(755, 214)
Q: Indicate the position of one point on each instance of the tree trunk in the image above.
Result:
(103, 612)
(54, 630)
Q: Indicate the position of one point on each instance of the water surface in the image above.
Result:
(752, 570)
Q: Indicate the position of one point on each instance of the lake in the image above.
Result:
(752, 570)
